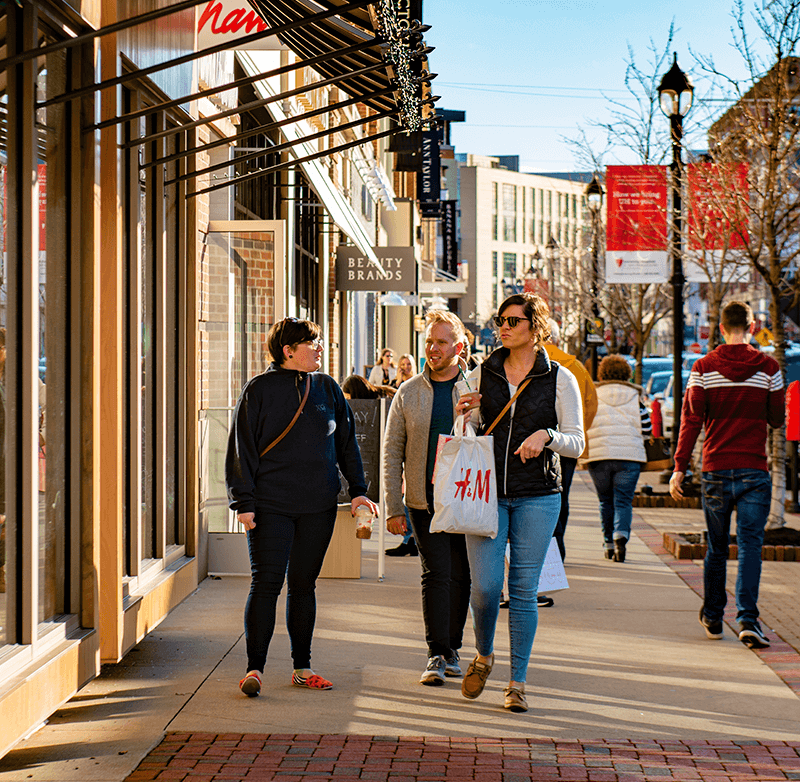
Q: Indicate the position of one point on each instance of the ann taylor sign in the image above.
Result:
(356, 272)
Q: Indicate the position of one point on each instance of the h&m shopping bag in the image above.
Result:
(464, 487)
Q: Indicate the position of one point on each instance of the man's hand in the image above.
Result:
(396, 525)
(532, 446)
(362, 500)
(675, 482)
(247, 520)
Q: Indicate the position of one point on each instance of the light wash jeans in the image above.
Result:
(527, 524)
(749, 491)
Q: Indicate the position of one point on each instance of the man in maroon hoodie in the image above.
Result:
(735, 391)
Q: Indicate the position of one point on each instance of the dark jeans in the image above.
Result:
(568, 465)
(445, 584)
(615, 481)
(750, 492)
(291, 548)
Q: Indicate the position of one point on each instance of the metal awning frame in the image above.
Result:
(291, 163)
(277, 148)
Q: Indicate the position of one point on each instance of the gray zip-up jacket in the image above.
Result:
(405, 444)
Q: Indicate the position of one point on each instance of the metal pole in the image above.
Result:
(676, 125)
(595, 275)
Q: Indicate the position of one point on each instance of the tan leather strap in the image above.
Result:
(506, 408)
(292, 422)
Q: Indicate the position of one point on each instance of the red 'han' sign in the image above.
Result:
(229, 20)
(637, 208)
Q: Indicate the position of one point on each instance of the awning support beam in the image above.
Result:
(126, 77)
(248, 106)
(294, 66)
(277, 148)
(271, 126)
(294, 162)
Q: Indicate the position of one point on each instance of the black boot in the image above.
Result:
(619, 550)
(403, 550)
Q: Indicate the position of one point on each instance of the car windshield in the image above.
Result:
(658, 382)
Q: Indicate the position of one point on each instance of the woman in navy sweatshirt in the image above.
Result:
(284, 490)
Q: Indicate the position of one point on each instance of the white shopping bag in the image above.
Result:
(553, 577)
(464, 487)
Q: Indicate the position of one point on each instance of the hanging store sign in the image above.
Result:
(356, 271)
(226, 21)
(449, 239)
(408, 12)
(636, 239)
(429, 184)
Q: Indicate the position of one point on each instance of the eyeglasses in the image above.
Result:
(513, 321)
(315, 344)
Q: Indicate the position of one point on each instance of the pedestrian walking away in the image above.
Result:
(544, 422)
(421, 410)
(615, 451)
(735, 392)
(292, 432)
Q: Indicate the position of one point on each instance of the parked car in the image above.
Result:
(657, 384)
(668, 402)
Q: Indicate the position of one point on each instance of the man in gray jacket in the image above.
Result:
(421, 410)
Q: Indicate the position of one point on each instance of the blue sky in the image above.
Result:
(556, 59)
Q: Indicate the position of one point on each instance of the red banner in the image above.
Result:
(717, 206)
(637, 208)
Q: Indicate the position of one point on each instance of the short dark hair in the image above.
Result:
(356, 387)
(535, 309)
(737, 316)
(614, 367)
(291, 332)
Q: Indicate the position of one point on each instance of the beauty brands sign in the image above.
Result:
(226, 21)
(636, 243)
(356, 272)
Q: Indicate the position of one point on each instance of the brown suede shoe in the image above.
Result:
(475, 679)
(515, 699)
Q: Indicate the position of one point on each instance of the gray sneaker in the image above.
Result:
(452, 666)
(434, 674)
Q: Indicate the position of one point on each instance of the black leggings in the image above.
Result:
(290, 547)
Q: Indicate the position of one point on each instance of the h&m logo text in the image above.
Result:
(480, 491)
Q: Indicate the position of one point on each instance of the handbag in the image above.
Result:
(292, 422)
(657, 453)
(464, 485)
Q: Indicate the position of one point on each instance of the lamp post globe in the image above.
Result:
(675, 98)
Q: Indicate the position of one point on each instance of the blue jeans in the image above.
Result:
(290, 548)
(749, 491)
(615, 481)
(527, 524)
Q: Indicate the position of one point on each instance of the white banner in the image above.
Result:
(630, 266)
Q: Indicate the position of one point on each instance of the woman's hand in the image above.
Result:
(467, 404)
(396, 525)
(247, 520)
(356, 501)
(532, 446)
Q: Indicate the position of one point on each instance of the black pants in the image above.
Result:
(291, 548)
(445, 584)
(568, 465)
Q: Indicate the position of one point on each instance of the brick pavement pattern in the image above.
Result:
(208, 757)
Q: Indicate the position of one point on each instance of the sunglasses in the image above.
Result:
(513, 321)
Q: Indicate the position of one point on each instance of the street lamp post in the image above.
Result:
(550, 250)
(594, 198)
(675, 95)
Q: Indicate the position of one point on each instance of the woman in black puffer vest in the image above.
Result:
(545, 420)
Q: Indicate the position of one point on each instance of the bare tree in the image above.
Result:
(761, 129)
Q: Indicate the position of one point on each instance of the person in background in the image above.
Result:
(422, 410)
(355, 387)
(544, 422)
(468, 355)
(283, 483)
(406, 369)
(735, 391)
(384, 371)
(615, 450)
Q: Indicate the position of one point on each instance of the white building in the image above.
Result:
(507, 220)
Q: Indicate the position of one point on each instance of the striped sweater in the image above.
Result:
(735, 391)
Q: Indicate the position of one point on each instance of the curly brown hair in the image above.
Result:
(536, 310)
(614, 367)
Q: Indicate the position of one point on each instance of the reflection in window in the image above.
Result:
(509, 213)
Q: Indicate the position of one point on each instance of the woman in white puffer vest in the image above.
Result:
(615, 450)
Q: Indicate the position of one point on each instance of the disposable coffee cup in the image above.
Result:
(465, 390)
(364, 520)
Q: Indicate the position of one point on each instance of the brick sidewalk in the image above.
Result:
(207, 757)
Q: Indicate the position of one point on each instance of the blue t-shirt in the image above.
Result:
(441, 420)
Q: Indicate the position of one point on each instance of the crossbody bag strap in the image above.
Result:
(506, 408)
(292, 422)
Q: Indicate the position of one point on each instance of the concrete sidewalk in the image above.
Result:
(621, 656)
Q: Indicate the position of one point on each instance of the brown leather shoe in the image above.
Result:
(475, 679)
(515, 699)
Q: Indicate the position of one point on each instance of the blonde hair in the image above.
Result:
(435, 317)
